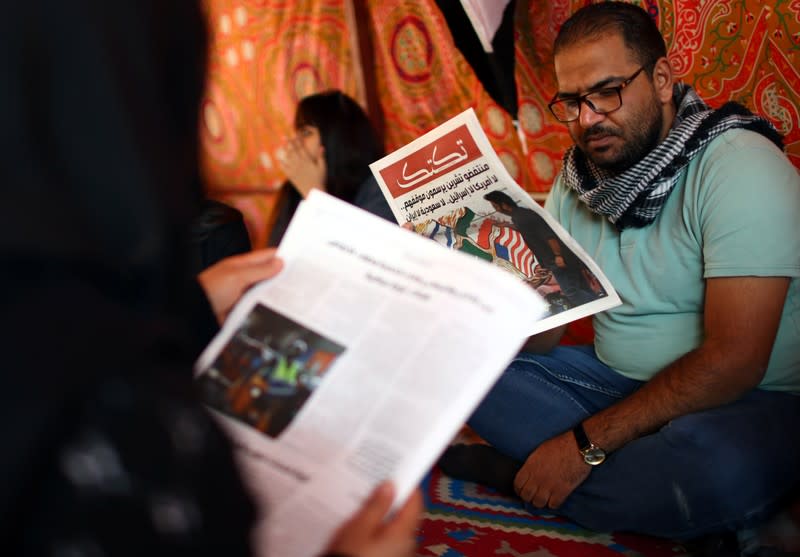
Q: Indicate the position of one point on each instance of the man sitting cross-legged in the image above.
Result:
(682, 418)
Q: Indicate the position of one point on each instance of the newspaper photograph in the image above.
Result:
(357, 363)
(449, 185)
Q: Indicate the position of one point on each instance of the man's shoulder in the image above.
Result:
(742, 181)
(741, 155)
(742, 142)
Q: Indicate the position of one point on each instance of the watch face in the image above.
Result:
(594, 456)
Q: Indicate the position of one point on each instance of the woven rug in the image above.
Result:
(466, 519)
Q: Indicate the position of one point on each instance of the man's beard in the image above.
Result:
(643, 139)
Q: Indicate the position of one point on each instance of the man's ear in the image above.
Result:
(662, 80)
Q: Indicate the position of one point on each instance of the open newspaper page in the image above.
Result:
(451, 185)
(358, 362)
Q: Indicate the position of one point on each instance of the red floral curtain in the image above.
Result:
(264, 56)
(423, 80)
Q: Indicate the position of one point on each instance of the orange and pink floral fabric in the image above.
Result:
(265, 55)
(423, 80)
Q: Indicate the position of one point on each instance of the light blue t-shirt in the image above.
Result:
(734, 212)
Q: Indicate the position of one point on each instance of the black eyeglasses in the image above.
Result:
(601, 101)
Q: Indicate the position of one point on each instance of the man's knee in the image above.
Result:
(698, 474)
(735, 443)
(735, 472)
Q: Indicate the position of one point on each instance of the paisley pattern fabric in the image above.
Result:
(268, 53)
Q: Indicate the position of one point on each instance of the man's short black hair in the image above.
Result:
(632, 23)
(499, 197)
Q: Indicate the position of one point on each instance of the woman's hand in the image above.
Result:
(366, 534)
(304, 170)
(225, 281)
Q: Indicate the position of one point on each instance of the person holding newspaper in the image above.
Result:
(683, 418)
(106, 450)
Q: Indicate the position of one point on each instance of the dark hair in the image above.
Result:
(499, 197)
(351, 142)
(632, 23)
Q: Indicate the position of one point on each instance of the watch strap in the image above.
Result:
(581, 438)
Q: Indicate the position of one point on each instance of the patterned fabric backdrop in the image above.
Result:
(423, 80)
(268, 53)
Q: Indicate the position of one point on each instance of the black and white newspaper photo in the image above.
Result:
(451, 186)
(357, 363)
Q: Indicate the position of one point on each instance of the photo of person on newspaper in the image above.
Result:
(267, 371)
(450, 186)
(526, 247)
(550, 251)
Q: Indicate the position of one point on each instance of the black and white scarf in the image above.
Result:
(633, 198)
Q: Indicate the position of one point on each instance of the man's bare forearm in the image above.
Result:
(699, 380)
(740, 323)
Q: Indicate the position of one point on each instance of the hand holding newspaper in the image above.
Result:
(451, 185)
(359, 362)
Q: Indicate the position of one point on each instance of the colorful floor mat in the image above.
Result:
(466, 519)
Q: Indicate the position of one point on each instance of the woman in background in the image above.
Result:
(334, 144)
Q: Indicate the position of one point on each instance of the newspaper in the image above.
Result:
(439, 183)
(358, 362)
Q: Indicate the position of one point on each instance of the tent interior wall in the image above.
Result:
(415, 63)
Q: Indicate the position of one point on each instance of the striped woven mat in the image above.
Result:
(466, 519)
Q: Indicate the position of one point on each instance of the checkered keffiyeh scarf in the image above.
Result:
(633, 198)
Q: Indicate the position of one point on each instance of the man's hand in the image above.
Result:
(225, 281)
(544, 342)
(366, 534)
(303, 170)
(551, 472)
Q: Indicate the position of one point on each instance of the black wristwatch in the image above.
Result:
(592, 454)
